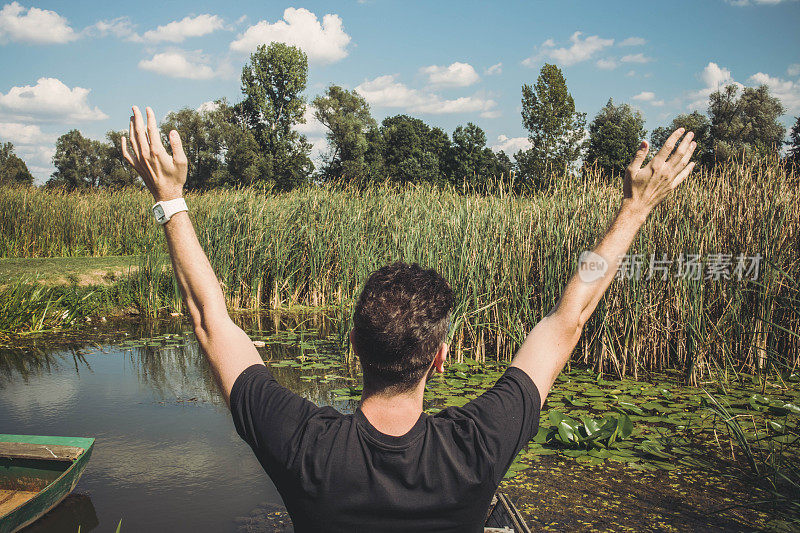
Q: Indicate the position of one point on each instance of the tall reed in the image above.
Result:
(508, 257)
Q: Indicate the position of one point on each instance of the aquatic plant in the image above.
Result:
(508, 257)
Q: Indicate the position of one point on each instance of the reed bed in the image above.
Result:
(507, 257)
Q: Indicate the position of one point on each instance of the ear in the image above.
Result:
(441, 357)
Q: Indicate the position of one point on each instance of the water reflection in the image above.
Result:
(167, 457)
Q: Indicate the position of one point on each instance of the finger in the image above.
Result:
(141, 135)
(132, 137)
(638, 158)
(127, 156)
(662, 154)
(178, 155)
(152, 132)
(682, 175)
(682, 148)
(686, 156)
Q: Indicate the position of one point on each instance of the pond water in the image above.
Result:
(167, 457)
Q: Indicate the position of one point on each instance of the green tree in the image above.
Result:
(614, 136)
(13, 170)
(695, 122)
(408, 150)
(555, 129)
(745, 125)
(240, 160)
(116, 172)
(77, 161)
(794, 143)
(347, 116)
(272, 83)
(198, 143)
(470, 161)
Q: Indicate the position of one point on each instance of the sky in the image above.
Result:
(68, 64)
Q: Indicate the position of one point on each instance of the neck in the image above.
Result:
(393, 414)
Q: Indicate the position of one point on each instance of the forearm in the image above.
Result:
(196, 279)
(583, 292)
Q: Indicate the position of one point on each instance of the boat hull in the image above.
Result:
(26, 470)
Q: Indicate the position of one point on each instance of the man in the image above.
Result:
(389, 466)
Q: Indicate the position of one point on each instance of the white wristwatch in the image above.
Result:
(164, 210)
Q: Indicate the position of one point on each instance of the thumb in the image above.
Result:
(638, 159)
(178, 155)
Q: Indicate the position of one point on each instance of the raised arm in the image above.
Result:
(549, 345)
(228, 349)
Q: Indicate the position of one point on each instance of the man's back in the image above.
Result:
(337, 472)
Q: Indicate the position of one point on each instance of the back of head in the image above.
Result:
(400, 320)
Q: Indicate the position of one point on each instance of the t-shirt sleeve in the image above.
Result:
(268, 416)
(507, 417)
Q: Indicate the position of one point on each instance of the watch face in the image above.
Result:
(158, 211)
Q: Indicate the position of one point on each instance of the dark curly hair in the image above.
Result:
(400, 320)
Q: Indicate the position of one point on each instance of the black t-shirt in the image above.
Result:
(336, 472)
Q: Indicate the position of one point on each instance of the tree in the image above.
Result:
(794, 143)
(77, 161)
(346, 115)
(197, 143)
(13, 170)
(555, 129)
(470, 161)
(272, 83)
(408, 151)
(745, 125)
(614, 136)
(116, 172)
(695, 122)
(240, 160)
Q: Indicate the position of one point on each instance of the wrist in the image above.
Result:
(635, 210)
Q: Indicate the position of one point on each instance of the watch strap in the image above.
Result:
(169, 208)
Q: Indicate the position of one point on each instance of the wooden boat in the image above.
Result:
(36, 473)
(503, 517)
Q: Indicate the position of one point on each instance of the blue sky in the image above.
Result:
(82, 64)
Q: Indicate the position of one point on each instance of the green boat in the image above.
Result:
(36, 473)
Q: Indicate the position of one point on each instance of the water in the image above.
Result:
(167, 457)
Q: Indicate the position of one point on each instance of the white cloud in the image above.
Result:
(120, 27)
(176, 64)
(324, 42)
(632, 41)
(580, 50)
(50, 101)
(495, 69)
(607, 64)
(34, 25)
(649, 97)
(786, 90)
(755, 2)
(20, 134)
(511, 145)
(455, 75)
(793, 70)
(312, 125)
(207, 107)
(713, 77)
(386, 91)
(630, 73)
(636, 58)
(179, 30)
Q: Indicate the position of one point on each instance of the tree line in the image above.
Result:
(255, 142)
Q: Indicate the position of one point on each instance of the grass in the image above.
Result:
(82, 271)
(508, 257)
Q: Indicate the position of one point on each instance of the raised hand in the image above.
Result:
(163, 174)
(646, 187)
